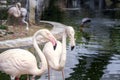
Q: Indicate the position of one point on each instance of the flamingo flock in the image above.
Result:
(18, 12)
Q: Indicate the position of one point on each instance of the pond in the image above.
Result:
(96, 55)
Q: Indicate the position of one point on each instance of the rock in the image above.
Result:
(2, 32)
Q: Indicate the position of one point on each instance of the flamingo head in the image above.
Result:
(48, 35)
(18, 4)
(71, 33)
(85, 22)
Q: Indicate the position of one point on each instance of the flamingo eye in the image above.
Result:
(47, 34)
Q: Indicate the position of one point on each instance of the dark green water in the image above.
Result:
(98, 57)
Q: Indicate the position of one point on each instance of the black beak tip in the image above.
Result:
(55, 46)
(72, 47)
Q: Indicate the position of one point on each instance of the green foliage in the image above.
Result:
(23, 77)
(3, 76)
(3, 27)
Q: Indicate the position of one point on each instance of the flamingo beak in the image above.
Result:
(72, 47)
(54, 47)
(53, 41)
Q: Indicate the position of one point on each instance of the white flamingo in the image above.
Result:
(56, 58)
(14, 11)
(83, 22)
(16, 62)
(18, 12)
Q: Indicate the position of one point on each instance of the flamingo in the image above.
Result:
(14, 11)
(23, 15)
(84, 21)
(56, 58)
(16, 62)
(18, 12)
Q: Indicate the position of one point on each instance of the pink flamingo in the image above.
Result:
(56, 58)
(17, 11)
(16, 62)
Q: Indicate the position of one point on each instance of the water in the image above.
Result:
(97, 58)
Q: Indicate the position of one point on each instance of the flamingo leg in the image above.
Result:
(48, 72)
(16, 78)
(14, 23)
(27, 77)
(19, 21)
(63, 74)
(12, 77)
(33, 77)
(23, 20)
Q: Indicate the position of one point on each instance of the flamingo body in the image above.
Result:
(14, 11)
(23, 11)
(18, 61)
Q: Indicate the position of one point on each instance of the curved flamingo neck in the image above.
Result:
(18, 12)
(40, 54)
(64, 42)
(23, 20)
(63, 57)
